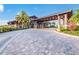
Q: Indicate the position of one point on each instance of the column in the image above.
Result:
(65, 21)
(58, 23)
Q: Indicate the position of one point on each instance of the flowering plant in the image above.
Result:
(72, 26)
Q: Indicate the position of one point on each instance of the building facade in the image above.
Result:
(55, 20)
(16, 24)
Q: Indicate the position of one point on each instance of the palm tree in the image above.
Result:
(23, 19)
(18, 20)
(75, 18)
(74, 21)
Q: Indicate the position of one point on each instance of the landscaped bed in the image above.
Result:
(6, 28)
(76, 33)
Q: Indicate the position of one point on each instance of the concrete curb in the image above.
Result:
(66, 34)
(52, 30)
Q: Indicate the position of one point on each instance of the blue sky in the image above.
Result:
(9, 11)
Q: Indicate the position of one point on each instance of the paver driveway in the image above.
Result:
(38, 42)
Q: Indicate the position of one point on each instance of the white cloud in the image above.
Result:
(1, 8)
(3, 22)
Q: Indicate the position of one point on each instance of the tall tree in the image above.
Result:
(23, 19)
(75, 18)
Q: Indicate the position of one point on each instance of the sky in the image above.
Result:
(9, 11)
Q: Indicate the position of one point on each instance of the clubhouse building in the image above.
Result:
(54, 20)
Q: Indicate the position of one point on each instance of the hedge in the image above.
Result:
(7, 28)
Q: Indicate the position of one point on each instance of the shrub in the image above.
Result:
(7, 28)
(72, 26)
(62, 28)
(77, 29)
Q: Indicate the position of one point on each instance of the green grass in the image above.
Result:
(76, 33)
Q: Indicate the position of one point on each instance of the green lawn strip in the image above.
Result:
(76, 33)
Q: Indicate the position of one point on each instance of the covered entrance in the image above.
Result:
(55, 20)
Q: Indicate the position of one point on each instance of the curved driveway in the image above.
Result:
(39, 42)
